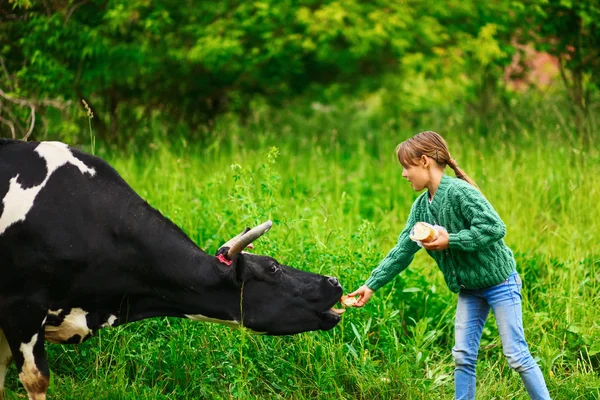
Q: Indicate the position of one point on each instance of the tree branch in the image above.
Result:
(32, 124)
(25, 103)
(72, 10)
(53, 103)
(13, 118)
(11, 125)
(563, 74)
(12, 17)
(5, 71)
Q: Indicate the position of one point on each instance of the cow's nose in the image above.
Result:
(333, 281)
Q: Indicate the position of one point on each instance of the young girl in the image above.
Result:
(471, 254)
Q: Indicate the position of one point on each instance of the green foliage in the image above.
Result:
(228, 113)
(169, 66)
(570, 30)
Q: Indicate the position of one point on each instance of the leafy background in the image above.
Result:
(223, 114)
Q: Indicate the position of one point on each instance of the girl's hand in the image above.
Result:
(365, 294)
(441, 243)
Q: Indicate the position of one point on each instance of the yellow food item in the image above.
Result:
(423, 232)
(348, 301)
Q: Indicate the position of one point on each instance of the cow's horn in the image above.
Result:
(231, 241)
(248, 238)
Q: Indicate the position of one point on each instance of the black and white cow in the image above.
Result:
(80, 250)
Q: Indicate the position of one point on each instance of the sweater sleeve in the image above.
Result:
(486, 226)
(398, 259)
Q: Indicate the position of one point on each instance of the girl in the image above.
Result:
(471, 254)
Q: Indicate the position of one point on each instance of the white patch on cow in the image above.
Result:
(199, 317)
(74, 323)
(57, 312)
(31, 377)
(18, 201)
(110, 322)
(5, 359)
(58, 154)
(27, 352)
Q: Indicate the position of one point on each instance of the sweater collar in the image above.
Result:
(440, 193)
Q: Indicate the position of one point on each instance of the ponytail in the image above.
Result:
(460, 174)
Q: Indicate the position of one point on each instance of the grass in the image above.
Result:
(335, 193)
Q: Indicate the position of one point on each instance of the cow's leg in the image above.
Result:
(5, 360)
(23, 326)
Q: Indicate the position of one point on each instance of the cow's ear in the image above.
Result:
(222, 252)
(235, 266)
(233, 269)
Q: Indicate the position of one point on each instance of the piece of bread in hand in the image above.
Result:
(348, 301)
(423, 232)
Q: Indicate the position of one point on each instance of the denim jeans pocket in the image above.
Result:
(518, 280)
(513, 278)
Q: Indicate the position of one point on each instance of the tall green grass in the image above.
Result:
(335, 192)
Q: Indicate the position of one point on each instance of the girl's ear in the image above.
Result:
(425, 161)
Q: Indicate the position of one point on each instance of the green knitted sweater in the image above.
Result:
(477, 257)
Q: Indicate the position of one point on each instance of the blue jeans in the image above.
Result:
(471, 313)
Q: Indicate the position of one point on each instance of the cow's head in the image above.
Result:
(278, 299)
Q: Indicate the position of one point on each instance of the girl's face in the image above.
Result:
(418, 174)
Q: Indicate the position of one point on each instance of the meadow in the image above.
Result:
(332, 186)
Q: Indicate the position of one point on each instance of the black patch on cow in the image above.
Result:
(57, 320)
(75, 339)
(10, 160)
(14, 155)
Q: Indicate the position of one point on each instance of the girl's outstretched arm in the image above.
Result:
(396, 261)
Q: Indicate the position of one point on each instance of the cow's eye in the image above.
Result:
(274, 268)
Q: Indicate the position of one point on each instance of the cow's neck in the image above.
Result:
(161, 272)
(154, 270)
(182, 279)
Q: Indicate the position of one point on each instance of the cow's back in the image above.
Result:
(61, 210)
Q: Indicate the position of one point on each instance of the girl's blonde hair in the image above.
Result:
(432, 145)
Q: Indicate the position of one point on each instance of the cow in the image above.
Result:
(80, 250)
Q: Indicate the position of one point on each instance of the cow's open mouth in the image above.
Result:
(338, 311)
(330, 318)
(332, 315)
(345, 301)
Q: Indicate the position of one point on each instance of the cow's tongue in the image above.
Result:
(338, 311)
